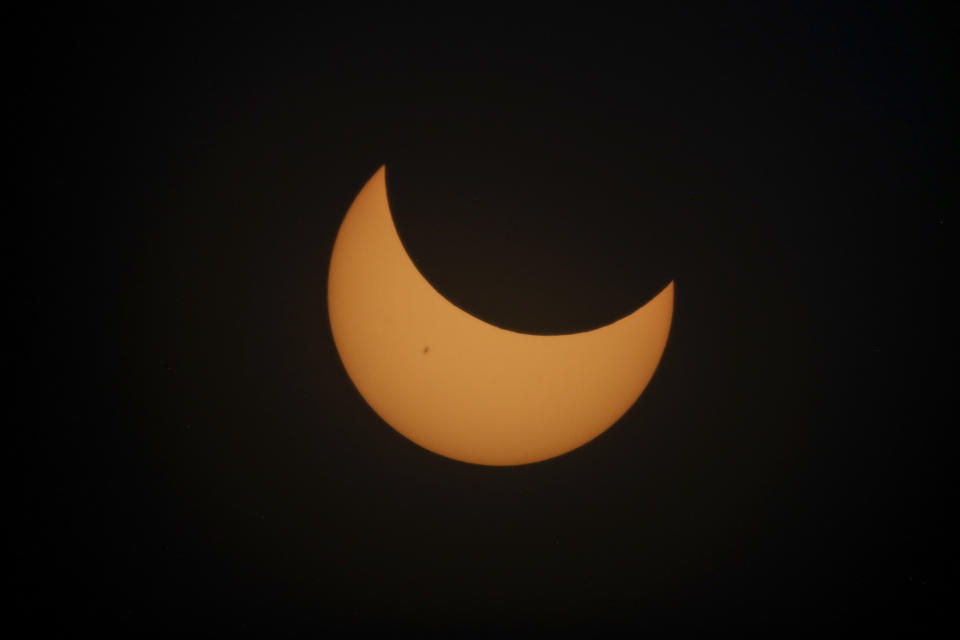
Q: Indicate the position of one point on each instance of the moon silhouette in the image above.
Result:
(461, 387)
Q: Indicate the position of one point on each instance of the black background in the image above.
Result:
(196, 457)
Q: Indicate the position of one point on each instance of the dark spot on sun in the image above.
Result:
(426, 349)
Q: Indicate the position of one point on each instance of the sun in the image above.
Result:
(462, 387)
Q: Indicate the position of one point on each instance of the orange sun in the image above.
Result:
(459, 386)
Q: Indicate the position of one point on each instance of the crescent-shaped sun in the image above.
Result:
(461, 387)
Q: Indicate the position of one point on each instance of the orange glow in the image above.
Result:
(459, 386)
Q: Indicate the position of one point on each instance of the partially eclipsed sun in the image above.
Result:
(464, 388)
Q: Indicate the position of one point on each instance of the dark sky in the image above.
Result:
(196, 456)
